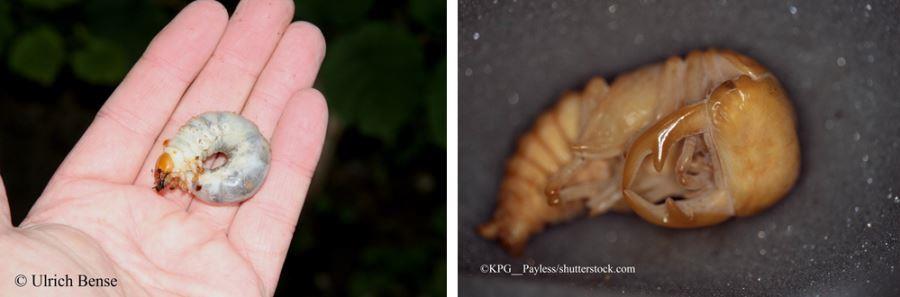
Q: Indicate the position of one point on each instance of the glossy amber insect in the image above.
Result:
(685, 143)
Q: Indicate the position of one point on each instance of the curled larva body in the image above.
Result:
(181, 165)
(688, 142)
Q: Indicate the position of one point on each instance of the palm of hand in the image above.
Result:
(99, 216)
(153, 241)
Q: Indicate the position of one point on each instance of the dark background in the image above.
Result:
(374, 221)
(835, 234)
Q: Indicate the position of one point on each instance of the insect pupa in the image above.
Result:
(685, 143)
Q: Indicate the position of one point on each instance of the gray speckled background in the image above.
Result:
(836, 234)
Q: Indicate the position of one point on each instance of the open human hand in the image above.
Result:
(99, 216)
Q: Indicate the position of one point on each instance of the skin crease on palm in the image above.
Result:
(99, 215)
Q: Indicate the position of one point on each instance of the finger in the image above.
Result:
(292, 67)
(5, 217)
(114, 146)
(226, 81)
(264, 225)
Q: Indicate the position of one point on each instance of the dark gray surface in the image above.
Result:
(836, 234)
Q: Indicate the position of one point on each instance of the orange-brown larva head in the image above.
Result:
(164, 163)
(164, 167)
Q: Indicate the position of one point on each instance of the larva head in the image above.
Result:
(735, 153)
(164, 167)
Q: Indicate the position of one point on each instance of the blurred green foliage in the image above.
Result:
(100, 61)
(378, 69)
(385, 78)
(98, 39)
(374, 221)
(38, 54)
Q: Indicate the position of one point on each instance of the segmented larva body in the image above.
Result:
(574, 157)
(181, 164)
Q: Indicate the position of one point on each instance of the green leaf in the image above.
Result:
(436, 104)
(48, 4)
(373, 78)
(38, 55)
(100, 62)
(430, 13)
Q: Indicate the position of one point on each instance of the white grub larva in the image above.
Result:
(181, 164)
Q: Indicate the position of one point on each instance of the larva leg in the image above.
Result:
(595, 182)
(666, 174)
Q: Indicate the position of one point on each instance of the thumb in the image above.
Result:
(5, 220)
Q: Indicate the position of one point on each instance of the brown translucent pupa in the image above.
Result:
(688, 142)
